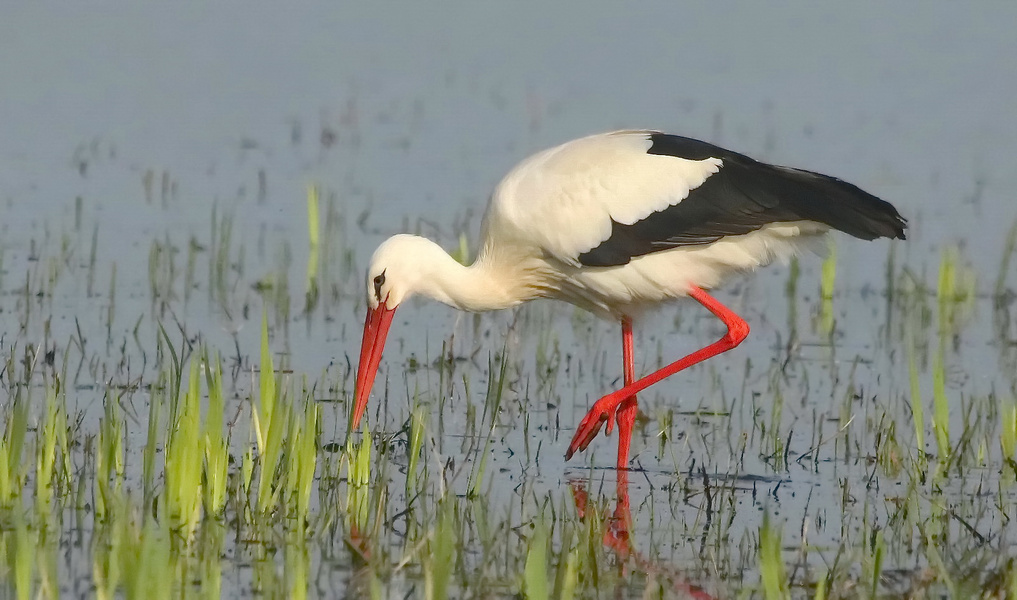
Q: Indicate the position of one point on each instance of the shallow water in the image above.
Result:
(153, 170)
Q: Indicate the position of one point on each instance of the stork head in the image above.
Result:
(401, 266)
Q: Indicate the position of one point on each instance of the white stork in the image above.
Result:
(615, 223)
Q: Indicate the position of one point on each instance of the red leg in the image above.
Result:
(602, 409)
(625, 413)
(628, 408)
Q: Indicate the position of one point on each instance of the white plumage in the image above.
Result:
(559, 204)
(630, 289)
(563, 199)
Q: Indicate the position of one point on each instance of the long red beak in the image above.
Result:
(375, 331)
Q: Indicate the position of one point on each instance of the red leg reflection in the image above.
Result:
(617, 538)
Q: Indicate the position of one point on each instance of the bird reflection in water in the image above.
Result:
(618, 538)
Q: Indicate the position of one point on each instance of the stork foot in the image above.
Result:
(603, 411)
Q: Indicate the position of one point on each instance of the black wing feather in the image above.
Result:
(742, 197)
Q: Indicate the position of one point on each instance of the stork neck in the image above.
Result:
(500, 278)
(476, 288)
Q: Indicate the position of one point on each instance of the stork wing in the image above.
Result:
(604, 199)
(567, 199)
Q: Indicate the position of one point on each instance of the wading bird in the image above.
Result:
(615, 223)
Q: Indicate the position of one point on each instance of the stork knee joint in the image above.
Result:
(737, 331)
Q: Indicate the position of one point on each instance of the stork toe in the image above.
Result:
(587, 430)
(603, 411)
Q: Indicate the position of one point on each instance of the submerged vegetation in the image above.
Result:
(160, 444)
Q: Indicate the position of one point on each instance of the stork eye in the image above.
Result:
(378, 282)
